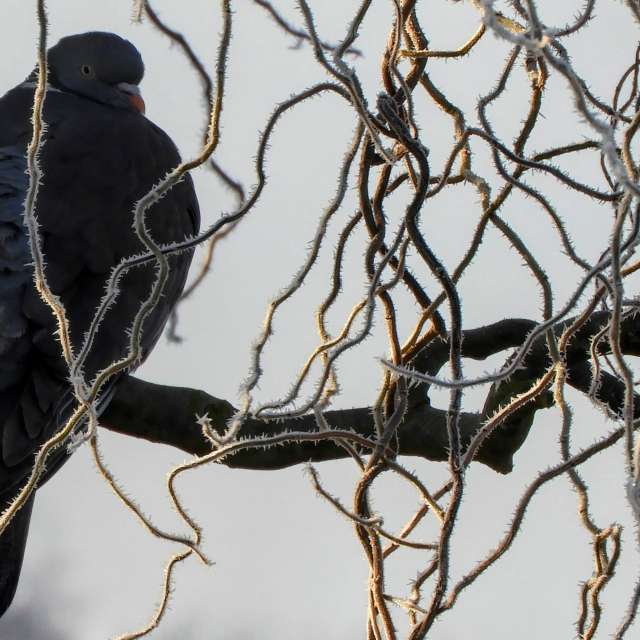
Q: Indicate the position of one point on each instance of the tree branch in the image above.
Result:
(167, 415)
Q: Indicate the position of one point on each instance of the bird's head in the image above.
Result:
(98, 65)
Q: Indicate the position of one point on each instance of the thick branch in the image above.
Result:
(167, 415)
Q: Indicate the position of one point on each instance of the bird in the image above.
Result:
(100, 155)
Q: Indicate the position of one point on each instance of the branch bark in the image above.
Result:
(167, 415)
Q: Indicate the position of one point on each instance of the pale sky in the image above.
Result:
(286, 564)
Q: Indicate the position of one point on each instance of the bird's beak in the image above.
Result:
(133, 94)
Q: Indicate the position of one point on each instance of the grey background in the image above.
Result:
(287, 565)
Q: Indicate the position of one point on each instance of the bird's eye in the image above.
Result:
(86, 70)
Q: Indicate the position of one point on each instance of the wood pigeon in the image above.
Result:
(100, 156)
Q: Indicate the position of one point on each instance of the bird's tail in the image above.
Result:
(12, 544)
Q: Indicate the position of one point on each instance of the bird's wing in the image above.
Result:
(28, 391)
(25, 395)
(35, 399)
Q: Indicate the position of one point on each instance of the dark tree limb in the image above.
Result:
(167, 415)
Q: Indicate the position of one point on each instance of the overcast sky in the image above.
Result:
(287, 566)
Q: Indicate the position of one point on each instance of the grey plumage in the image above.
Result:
(100, 156)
